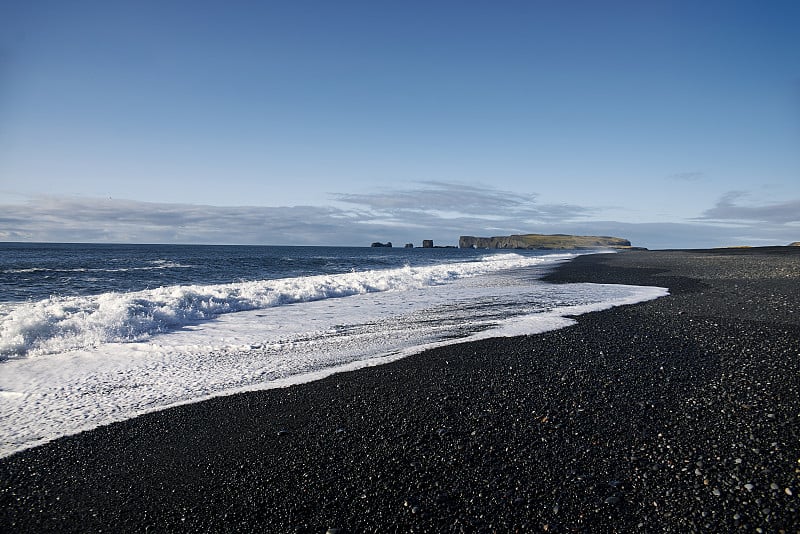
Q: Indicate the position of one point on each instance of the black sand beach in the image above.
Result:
(675, 415)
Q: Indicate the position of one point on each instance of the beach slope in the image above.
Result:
(675, 415)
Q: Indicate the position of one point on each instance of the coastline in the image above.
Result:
(677, 414)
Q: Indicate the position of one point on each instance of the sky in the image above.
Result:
(675, 124)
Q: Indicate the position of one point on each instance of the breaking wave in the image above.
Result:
(59, 324)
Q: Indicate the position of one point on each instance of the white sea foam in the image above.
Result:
(59, 324)
(301, 334)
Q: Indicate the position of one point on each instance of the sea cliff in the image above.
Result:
(541, 241)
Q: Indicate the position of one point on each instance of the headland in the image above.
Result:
(544, 242)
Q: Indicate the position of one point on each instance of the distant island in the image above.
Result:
(542, 241)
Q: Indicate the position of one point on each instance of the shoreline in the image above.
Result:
(646, 416)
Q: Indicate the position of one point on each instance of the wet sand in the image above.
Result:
(675, 415)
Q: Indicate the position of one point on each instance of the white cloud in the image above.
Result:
(435, 210)
(434, 197)
(104, 220)
(728, 210)
(690, 176)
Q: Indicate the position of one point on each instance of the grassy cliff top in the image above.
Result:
(533, 241)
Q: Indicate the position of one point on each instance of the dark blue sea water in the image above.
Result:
(31, 271)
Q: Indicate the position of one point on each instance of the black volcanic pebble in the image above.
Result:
(676, 415)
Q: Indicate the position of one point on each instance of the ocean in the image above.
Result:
(91, 334)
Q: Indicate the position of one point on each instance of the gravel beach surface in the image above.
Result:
(674, 415)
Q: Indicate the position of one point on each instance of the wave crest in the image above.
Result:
(59, 324)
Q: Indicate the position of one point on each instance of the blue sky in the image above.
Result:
(675, 124)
